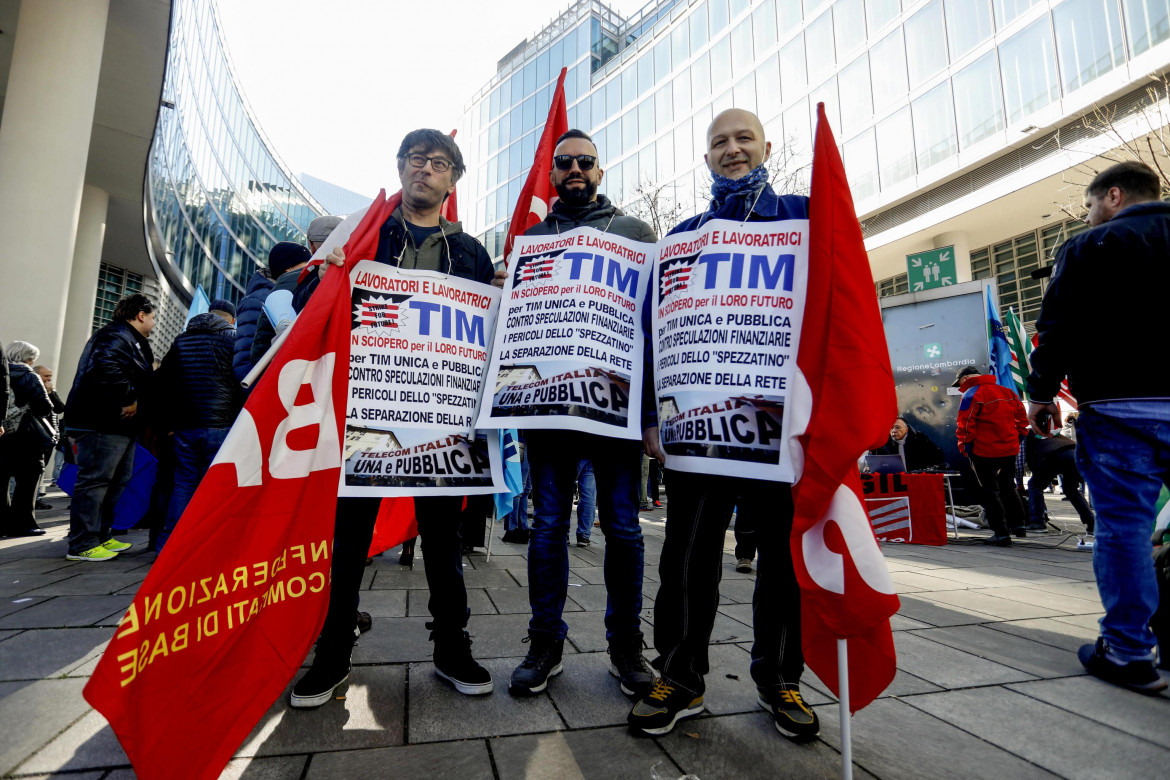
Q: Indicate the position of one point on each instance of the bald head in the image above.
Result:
(736, 143)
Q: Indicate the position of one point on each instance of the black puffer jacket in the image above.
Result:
(196, 379)
(116, 370)
(247, 317)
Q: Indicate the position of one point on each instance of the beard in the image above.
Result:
(576, 197)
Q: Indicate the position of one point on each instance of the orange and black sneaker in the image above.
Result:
(666, 704)
(793, 717)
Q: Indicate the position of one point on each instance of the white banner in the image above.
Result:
(728, 305)
(569, 345)
(418, 353)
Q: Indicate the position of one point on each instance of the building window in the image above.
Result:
(698, 29)
(889, 79)
(861, 166)
(926, 49)
(1088, 40)
(1147, 22)
(895, 285)
(819, 49)
(968, 25)
(742, 54)
(856, 96)
(895, 155)
(827, 93)
(1029, 70)
(792, 72)
(768, 87)
(114, 284)
(848, 25)
(721, 64)
(764, 26)
(879, 13)
(978, 101)
(934, 127)
(1006, 11)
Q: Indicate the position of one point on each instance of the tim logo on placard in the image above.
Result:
(535, 268)
(675, 276)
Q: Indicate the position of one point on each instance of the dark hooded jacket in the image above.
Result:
(918, 452)
(195, 381)
(463, 255)
(247, 317)
(116, 370)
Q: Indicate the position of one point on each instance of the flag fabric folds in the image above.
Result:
(538, 194)
(1021, 348)
(1001, 351)
(842, 403)
(238, 595)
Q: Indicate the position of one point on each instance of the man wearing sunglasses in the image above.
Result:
(701, 505)
(414, 236)
(555, 457)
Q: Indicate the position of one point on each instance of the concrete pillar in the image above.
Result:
(87, 258)
(962, 244)
(44, 147)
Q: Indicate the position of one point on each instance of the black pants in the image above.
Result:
(23, 463)
(1064, 465)
(745, 530)
(997, 482)
(438, 525)
(692, 565)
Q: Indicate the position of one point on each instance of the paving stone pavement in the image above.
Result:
(987, 686)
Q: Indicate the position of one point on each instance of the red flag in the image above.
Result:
(842, 403)
(396, 524)
(538, 195)
(237, 597)
(450, 208)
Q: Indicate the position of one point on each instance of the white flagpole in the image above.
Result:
(843, 705)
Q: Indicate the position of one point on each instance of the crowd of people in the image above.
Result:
(114, 404)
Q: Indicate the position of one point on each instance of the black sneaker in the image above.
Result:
(999, 541)
(1037, 527)
(1020, 532)
(665, 705)
(516, 536)
(582, 540)
(1140, 676)
(364, 622)
(793, 717)
(542, 662)
(318, 685)
(627, 663)
(453, 663)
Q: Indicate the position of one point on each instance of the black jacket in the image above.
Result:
(265, 330)
(28, 390)
(1102, 315)
(468, 258)
(1038, 451)
(3, 381)
(195, 381)
(920, 452)
(116, 370)
(247, 317)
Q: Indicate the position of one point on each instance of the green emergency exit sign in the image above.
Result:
(934, 268)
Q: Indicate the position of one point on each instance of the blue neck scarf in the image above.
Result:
(723, 188)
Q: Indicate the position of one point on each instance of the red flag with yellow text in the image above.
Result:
(236, 599)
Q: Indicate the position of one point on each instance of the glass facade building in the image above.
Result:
(218, 197)
(917, 91)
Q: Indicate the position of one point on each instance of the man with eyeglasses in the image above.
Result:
(414, 237)
(555, 457)
(701, 505)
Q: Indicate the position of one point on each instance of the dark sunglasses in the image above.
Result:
(564, 162)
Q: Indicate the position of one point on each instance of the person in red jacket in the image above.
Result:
(991, 423)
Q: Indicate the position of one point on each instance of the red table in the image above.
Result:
(906, 507)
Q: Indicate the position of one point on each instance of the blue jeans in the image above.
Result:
(105, 462)
(195, 448)
(555, 457)
(517, 519)
(1123, 450)
(587, 498)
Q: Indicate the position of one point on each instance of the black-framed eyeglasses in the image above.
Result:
(564, 162)
(438, 164)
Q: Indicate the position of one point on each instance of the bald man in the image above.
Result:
(700, 505)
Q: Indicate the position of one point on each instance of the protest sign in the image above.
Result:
(568, 348)
(728, 303)
(418, 352)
